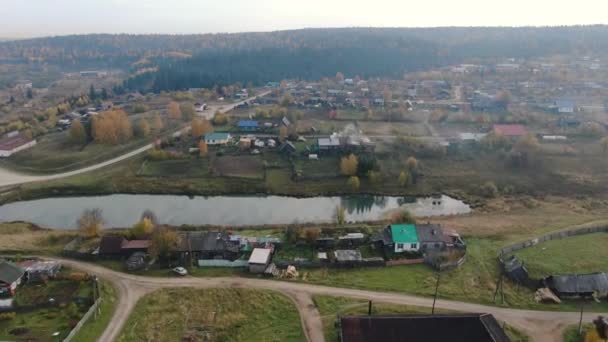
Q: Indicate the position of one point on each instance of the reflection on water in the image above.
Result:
(125, 210)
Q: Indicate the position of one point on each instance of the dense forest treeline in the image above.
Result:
(309, 53)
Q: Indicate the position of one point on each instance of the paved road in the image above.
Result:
(9, 177)
(539, 325)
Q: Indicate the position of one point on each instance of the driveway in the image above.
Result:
(539, 325)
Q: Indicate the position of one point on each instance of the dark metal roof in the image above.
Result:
(429, 233)
(111, 244)
(573, 284)
(422, 328)
(9, 272)
(205, 242)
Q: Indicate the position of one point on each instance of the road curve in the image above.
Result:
(11, 178)
(539, 325)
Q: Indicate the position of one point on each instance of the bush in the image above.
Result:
(7, 316)
(78, 276)
(489, 190)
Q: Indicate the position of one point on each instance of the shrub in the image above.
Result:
(7, 316)
(78, 276)
(489, 190)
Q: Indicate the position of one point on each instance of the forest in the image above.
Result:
(202, 60)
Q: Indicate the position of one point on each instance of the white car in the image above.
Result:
(180, 271)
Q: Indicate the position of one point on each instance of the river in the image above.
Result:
(124, 210)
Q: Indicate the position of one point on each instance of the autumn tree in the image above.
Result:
(339, 77)
(164, 240)
(202, 149)
(112, 127)
(150, 215)
(158, 123)
(402, 216)
(373, 176)
(90, 223)
(312, 234)
(413, 168)
(143, 128)
(286, 100)
(220, 119)
(187, 110)
(78, 135)
(404, 178)
(354, 183)
(142, 228)
(348, 165)
(200, 127)
(174, 111)
(283, 133)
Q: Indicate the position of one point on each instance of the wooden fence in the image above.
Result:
(86, 316)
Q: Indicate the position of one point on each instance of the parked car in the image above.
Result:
(180, 271)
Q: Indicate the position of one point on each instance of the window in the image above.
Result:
(413, 246)
(399, 246)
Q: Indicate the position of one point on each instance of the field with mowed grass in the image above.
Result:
(578, 254)
(251, 167)
(332, 307)
(23, 238)
(215, 315)
(184, 168)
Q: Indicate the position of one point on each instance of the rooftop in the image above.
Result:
(510, 130)
(11, 143)
(9, 272)
(260, 256)
(217, 136)
(404, 233)
(428, 328)
(247, 123)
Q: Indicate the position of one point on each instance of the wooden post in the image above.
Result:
(369, 308)
(436, 290)
(580, 322)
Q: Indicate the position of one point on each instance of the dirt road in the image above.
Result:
(539, 325)
(10, 178)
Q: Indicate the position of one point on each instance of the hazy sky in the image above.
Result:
(19, 18)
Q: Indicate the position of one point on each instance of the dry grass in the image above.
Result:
(27, 238)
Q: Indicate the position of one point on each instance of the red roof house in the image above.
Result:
(510, 130)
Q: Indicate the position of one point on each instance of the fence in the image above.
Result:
(562, 234)
(86, 316)
(398, 262)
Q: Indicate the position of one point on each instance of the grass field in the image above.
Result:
(578, 254)
(330, 307)
(326, 166)
(23, 238)
(213, 314)
(183, 168)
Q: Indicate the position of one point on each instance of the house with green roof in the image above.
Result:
(217, 138)
(10, 277)
(405, 238)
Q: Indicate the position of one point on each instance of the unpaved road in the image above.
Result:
(10, 178)
(539, 325)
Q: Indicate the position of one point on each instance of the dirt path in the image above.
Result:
(539, 325)
(11, 178)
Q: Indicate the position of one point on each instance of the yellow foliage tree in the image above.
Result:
(158, 123)
(187, 110)
(174, 111)
(163, 241)
(202, 148)
(143, 128)
(348, 165)
(142, 228)
(112, 127)
(77, 133)
(90, 223)
(404, 178)
(283, 132)
(354, 183)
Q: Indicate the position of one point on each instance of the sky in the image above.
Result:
(28, 18)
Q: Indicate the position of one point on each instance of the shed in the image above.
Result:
(578, 285)
(288, 147)
(111, 245)
(217, 138)
(36, 271)
(10, 277)
(348, 255)
(510, 131)
(259, 260)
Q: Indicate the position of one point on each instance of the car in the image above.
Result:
(180, 271)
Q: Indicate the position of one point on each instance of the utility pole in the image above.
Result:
(369, 308)
(580, 322)
(436, 290)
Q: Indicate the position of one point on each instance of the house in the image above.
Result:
(248, 125)
(111, 246)
(10, 277)
(206, 245)
(38, 271)
(129, 247)
(510, 131)
(13, 143)
(431, 237)
(259, 260)
(577, 285)
(427, 328)
(404, 237)
(564, 106)
(329, 144)
(217, 138)
(287, 147)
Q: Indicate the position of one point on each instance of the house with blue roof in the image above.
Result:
(248, 125)
(564, 106)
(217, 138)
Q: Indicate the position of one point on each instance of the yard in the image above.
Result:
(213, 314)
(324, 167)
(36, 320)
(251, 167)
(183, 168)
(330, 307)
(578, 254)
